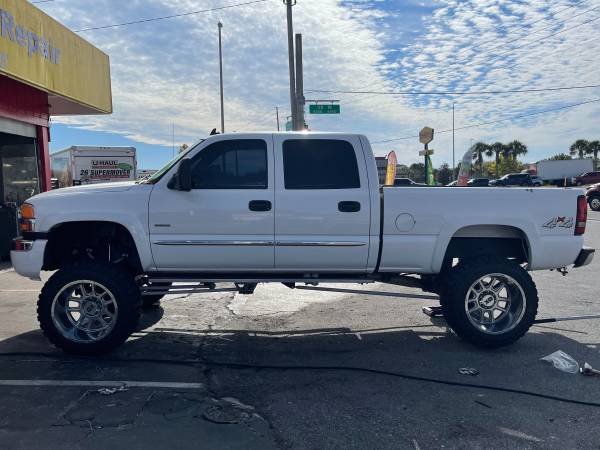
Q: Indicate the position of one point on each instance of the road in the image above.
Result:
(302, 369)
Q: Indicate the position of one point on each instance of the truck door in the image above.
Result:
(226, 222)
(322, 204)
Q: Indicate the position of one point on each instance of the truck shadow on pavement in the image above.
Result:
(388, 387)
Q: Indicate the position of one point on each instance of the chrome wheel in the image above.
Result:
(495, 303)
(84, 311)
(595, 203)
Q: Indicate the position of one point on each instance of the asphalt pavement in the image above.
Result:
(304, 369)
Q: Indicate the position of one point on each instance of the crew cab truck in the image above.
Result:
(293, 208)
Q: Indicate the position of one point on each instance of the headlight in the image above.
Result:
(26, 217)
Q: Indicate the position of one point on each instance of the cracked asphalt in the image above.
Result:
(303, 369)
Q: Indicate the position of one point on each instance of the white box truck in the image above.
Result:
(556, 172)
(79, 165)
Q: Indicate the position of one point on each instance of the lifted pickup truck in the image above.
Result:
(290, 208)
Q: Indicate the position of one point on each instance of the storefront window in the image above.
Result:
(20, 173)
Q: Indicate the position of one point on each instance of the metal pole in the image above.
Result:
(221, 79)
(290, 30)
(426, 148)
(299, 84)
(277, 115)
(453, 157)
(173, 139)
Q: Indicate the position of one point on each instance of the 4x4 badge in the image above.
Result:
(560, 221)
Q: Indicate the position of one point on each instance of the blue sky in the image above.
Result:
(166, 72)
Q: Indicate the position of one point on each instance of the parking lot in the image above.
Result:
(304, 369)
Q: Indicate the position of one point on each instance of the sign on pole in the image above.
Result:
(426, 135)
(429, 178)
(324, 109)
(288, 126)
(427, 152)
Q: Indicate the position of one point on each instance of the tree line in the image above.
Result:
(505, 156)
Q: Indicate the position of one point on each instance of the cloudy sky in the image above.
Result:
(166, 72)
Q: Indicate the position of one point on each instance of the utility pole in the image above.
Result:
(221, 79)
(290, 30)
(173, 139)
(277, 116)
(299, 85)
(453, 157)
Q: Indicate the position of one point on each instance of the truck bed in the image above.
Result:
(419, 223)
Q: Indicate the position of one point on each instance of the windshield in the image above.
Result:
(158, 175)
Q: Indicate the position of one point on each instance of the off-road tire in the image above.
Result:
(120, 283)
(457, 285)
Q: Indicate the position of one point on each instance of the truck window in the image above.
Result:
(319, 164)
(233, 164)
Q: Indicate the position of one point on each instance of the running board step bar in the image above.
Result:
(162, 284)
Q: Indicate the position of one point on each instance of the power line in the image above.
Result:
(527, 26)
(493, 40)
(172, 16)
(506, 43)
(480, 124)
(472, 99)
(511, 91)
(508, 51)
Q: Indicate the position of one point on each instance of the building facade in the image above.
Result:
(45, 70)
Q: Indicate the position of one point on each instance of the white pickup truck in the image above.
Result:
(291, 208)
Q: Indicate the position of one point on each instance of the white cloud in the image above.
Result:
(166, 72)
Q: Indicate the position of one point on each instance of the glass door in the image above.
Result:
(20, 169)
(20, 179)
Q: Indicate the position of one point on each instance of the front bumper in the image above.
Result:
(586, 255)
(28, 263)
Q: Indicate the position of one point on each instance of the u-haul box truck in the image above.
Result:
(78, 165)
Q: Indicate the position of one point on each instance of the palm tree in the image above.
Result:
(479, 149)
(594, 149)
(517, 148)
(494, 150)
(579, 147)
(506, 152)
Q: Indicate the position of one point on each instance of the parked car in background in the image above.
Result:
(406, 182)
(587, 178)
(452, 183)
(478, 182)
(593, 196)
(537, 181)
(513, 179)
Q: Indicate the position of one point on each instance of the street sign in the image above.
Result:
(324, 109)
(426, 135)
(426, 152)
(288, 126)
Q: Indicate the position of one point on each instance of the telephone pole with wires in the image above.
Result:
(220, 25)
(290, 31)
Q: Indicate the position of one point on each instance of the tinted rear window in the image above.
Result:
(319, 164)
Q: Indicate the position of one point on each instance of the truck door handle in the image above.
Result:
(349, 206)
(259, 205)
